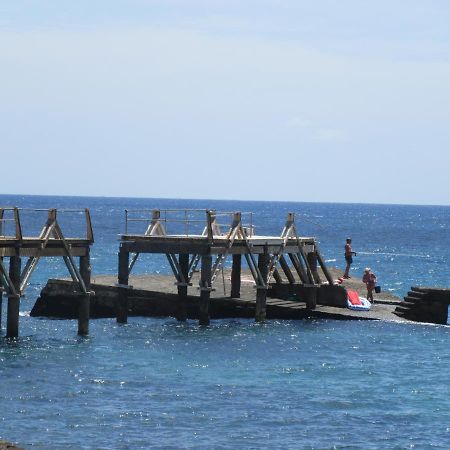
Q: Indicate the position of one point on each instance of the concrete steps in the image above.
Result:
(423, 304)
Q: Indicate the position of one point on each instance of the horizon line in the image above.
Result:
(225, 199)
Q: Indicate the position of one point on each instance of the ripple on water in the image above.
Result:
(285, 384)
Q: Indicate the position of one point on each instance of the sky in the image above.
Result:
(284, 100)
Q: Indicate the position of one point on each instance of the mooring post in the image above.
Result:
(183, 260)
(12, 326)
(312, 263)
(122, 303)
(261, 289)
(236, 276)
(85, 300)
(205, 289)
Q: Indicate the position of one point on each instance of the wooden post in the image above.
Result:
(312, 263)
(236, 276)
(12, 326)
(85, 300)
(122, 303)
(205, 290)
(183, 260)
(261, 291)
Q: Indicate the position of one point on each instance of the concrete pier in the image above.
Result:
(157, 295)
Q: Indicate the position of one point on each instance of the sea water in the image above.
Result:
(156, 383)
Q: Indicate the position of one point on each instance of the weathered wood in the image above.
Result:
(286, 269)
(205, 289)
(236, 276)
(301, 256)
(37, 250)
(85, 300)
(297, 263)
(12, 326)
(324, 267)
(261, 291)
(312, 263)
(123, 275)
(277, 277)
(183, 261)
(157, 244)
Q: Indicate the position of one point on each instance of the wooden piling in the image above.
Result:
(205, 289)
(236, 276)
(85, 300)
(123, 275)
(261, 290)
(12, 326)
(183, 260)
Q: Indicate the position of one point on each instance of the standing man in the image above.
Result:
(348, 256)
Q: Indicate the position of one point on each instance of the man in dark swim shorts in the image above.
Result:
(348, 256)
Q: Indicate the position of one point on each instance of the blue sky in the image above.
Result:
(343, 101)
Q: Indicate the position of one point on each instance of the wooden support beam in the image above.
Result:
(236, 276)
(324, 267)
(277, 277)
(85, 299)
(261, 291)
(302, 256)
(205, 289)
(312, 263)
(286, 269)
(123, 275)
(183, 260)
(297, 263)
(12, 326)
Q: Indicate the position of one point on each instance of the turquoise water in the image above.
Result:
(155, 383)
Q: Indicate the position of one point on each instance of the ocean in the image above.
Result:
(312, 384)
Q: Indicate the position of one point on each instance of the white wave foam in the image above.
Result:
(407, 255)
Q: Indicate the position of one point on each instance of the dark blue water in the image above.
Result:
(154, 383)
